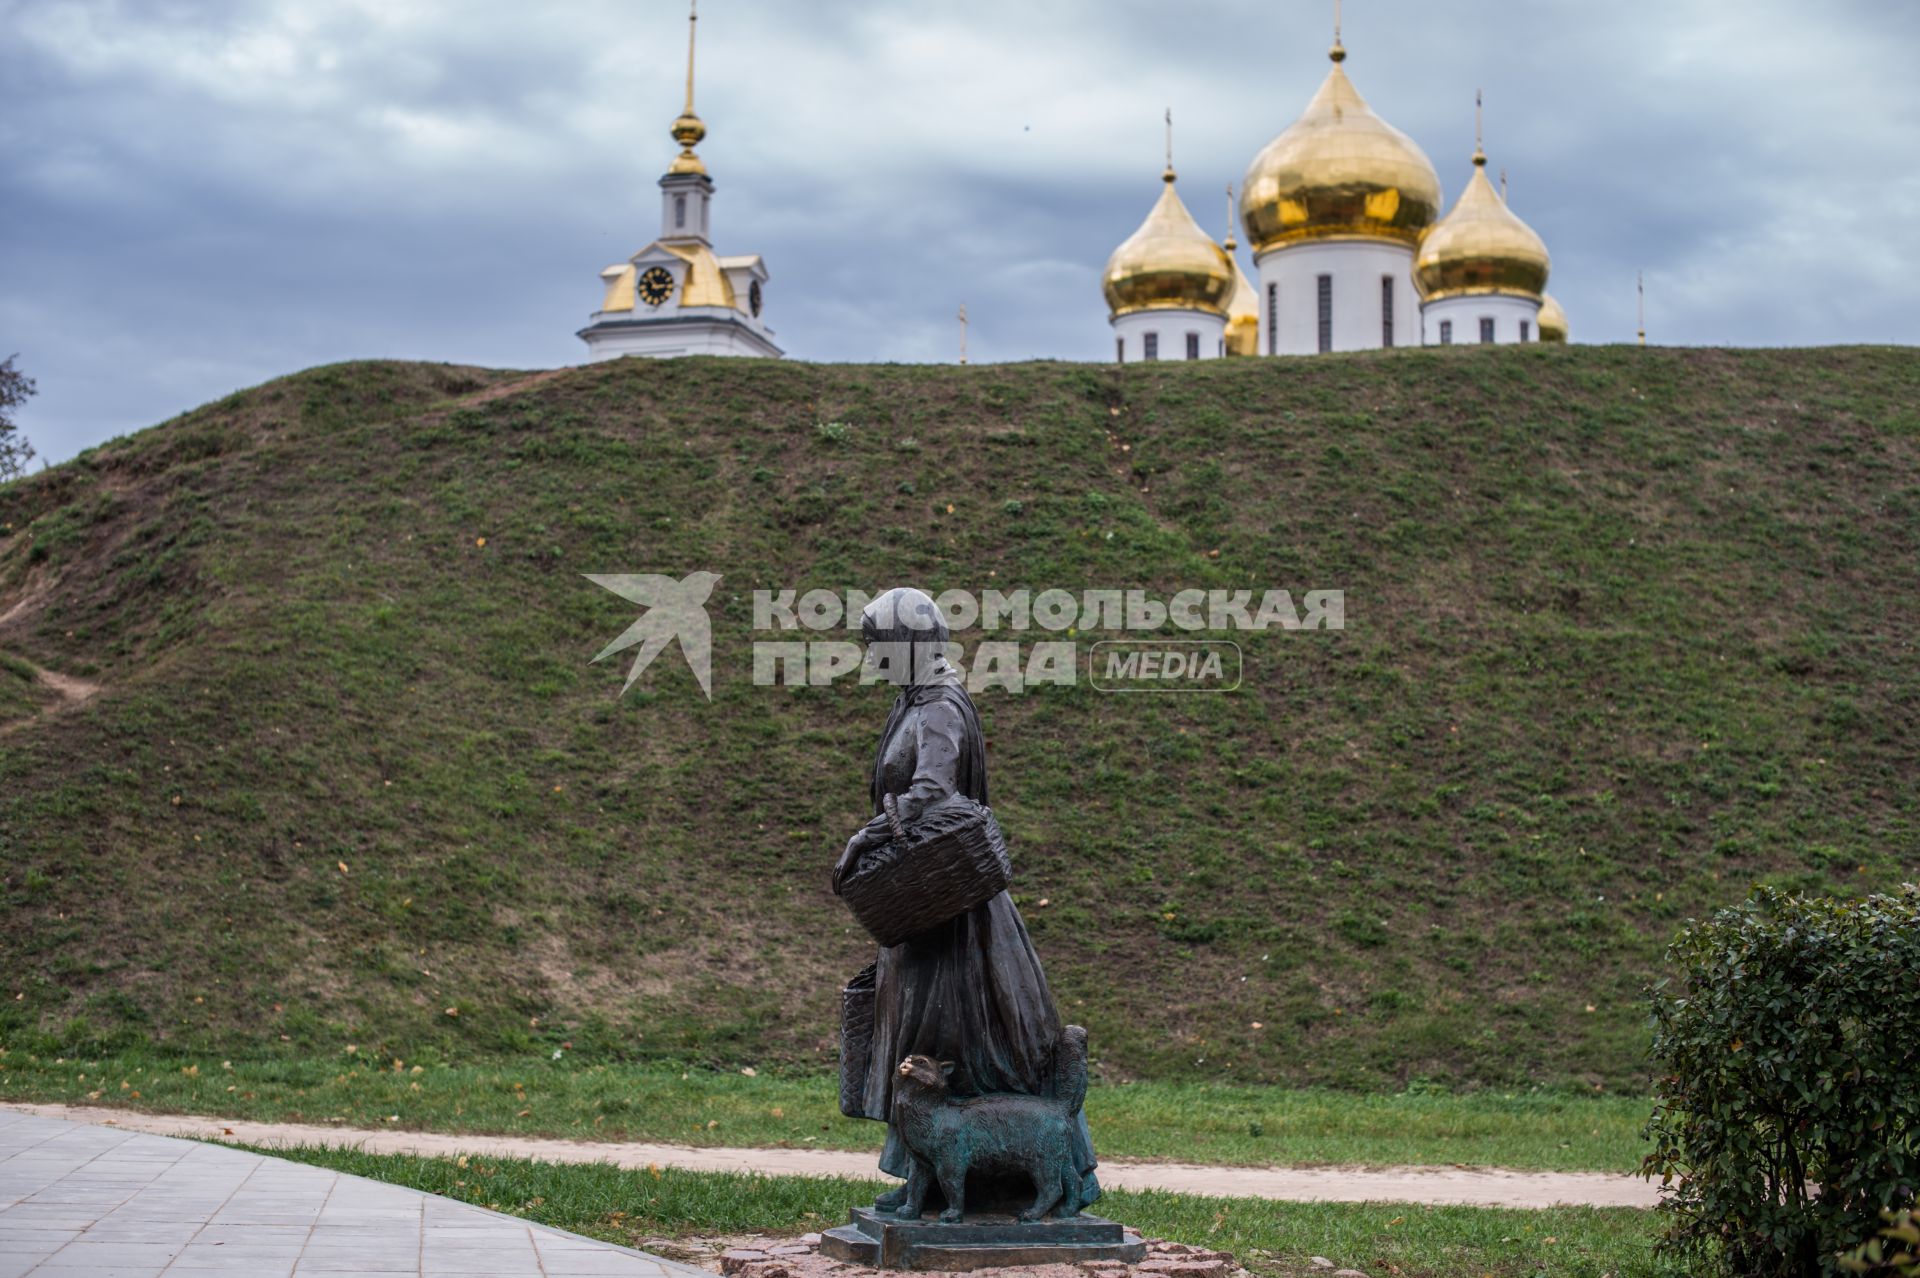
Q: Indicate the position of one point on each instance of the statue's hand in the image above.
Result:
(849, 858)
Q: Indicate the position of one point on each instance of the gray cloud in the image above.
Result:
(203, 194)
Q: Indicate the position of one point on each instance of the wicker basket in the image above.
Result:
(856, 1041)
(952, 859)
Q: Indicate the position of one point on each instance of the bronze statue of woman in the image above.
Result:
(969, 990)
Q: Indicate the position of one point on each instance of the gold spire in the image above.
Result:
(1480, 246)
(688, 129)
(693, 21)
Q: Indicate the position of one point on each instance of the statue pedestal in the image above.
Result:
(884, 1241)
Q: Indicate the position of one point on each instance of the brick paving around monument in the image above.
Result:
(802, 1258)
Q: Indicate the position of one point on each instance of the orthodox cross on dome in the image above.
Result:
(1640, 287)
(963, 332)
(1168, 175)
(1338, 52)
(1229, 244)
(1479, 149)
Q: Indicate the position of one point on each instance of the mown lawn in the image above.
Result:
(1272, 1239)
(1182, 1122)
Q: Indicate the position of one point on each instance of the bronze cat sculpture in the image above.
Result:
(1004, 1132)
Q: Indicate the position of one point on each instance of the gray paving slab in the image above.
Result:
(77, 1199)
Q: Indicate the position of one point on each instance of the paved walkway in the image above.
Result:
(1464, 1186)
(82, 1200)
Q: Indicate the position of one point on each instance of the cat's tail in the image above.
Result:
(1070, 1069)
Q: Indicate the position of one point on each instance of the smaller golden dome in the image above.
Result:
(1243, 304)
(1552, 320)
(1480, 247)
(1168, 264)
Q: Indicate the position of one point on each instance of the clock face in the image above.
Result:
(656, 285)
(753, 297)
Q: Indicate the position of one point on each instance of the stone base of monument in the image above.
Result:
(884, 1241)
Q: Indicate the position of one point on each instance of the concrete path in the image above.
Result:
(89, 1201)
(1465, 1186)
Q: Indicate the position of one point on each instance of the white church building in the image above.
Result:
(1350, 252)
(677, 296)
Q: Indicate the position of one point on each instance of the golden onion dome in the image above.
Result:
(1480, 247)
(1243, 304)
(1338, 172)
(1552, 320)
(1168, 264)
(687, 130)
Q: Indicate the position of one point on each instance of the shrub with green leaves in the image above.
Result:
(1894, 1250)
(1787, 1113)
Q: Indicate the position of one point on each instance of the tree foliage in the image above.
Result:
(15, 451)
(1788, 1115)
(1894, 1250)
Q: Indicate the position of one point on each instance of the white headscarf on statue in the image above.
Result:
(906, 633)
(910, 620)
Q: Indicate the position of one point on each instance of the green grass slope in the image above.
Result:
(1627, 631)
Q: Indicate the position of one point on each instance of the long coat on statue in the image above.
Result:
(970, 990)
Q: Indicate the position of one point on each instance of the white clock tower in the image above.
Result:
(676, 296)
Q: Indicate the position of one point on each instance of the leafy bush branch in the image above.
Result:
(1788, 1110)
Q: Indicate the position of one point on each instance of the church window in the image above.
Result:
(1526, 330)
(1119, 350)
(1386, 310)
(1446, 332)
(1326, 313)
(1273, 319)
(679, 210)
(1193, 346)
(1486, 328)
(1152, 343)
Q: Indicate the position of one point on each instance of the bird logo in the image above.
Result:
(674, 610)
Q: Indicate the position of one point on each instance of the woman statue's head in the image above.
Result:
(906, 636)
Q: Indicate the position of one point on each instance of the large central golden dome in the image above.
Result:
(1168, 264)
(1338, 172)
(1480, 247)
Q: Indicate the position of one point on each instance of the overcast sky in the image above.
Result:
(202, 194)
